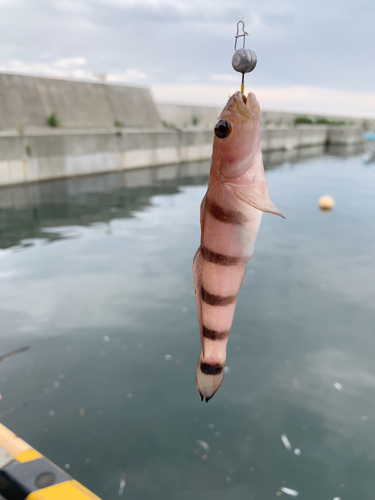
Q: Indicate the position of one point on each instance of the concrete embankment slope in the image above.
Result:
(28, 101)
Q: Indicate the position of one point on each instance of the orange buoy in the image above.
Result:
(326, 202)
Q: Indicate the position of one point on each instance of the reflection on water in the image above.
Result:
(26, 211)
(95, 276)
(369, 157)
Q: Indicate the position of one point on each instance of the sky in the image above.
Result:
(313, 56)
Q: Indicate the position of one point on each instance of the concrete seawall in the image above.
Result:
(183, 115)
(61, 153)
(108, 128)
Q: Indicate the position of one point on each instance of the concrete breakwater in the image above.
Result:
(59, 154)
(62, 153)
(107, 128)
(183, 115)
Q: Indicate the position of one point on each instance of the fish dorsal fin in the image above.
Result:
(254, 197)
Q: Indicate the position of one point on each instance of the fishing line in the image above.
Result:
(16, 351)
(26, 403)
(242, 11)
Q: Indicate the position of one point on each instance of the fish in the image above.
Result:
(230, 216)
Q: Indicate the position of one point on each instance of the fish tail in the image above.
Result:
(209, 377)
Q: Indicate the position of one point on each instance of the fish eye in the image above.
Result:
(223, 128)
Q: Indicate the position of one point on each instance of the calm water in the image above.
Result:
(95, 276)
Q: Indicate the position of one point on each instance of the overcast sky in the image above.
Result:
(312, 55)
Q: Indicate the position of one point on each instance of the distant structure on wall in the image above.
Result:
(29, 101)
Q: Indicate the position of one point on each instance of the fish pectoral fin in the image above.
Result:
(253, 197)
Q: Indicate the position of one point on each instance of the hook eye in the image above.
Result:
(223, 128)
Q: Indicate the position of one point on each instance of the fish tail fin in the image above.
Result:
(209, 377)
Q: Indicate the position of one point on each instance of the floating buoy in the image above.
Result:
(326, 202)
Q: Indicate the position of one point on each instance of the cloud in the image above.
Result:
(288, 98)
(181, 5)
(72, 61)
(67, 68)
(276, 20)
(11, 3)
(131, 75)
(298, 44)
(323, 100)
(59, 68)
(226, 78)
(70, 6)
(32, 68)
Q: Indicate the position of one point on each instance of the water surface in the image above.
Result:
(95, 276)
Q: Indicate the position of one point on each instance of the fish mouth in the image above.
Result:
(247, 106)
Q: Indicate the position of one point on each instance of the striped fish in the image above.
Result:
(231, 213)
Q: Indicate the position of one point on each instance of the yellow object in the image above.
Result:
(11, 443)
(242, 88)
(27, 455)
(326, 202)
(25, 473)
(71, 490)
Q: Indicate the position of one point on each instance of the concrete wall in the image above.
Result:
(36, 157)
(345, 136)
(182, 116)
(61, 154)
(30, 100)
(287, 119)
(273, 139)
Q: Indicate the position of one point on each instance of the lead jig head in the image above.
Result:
(243, 60)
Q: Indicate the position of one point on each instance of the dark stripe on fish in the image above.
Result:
(213, 369)
(227, 216)
(213, 334)
(217, 300)
(218, 258)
